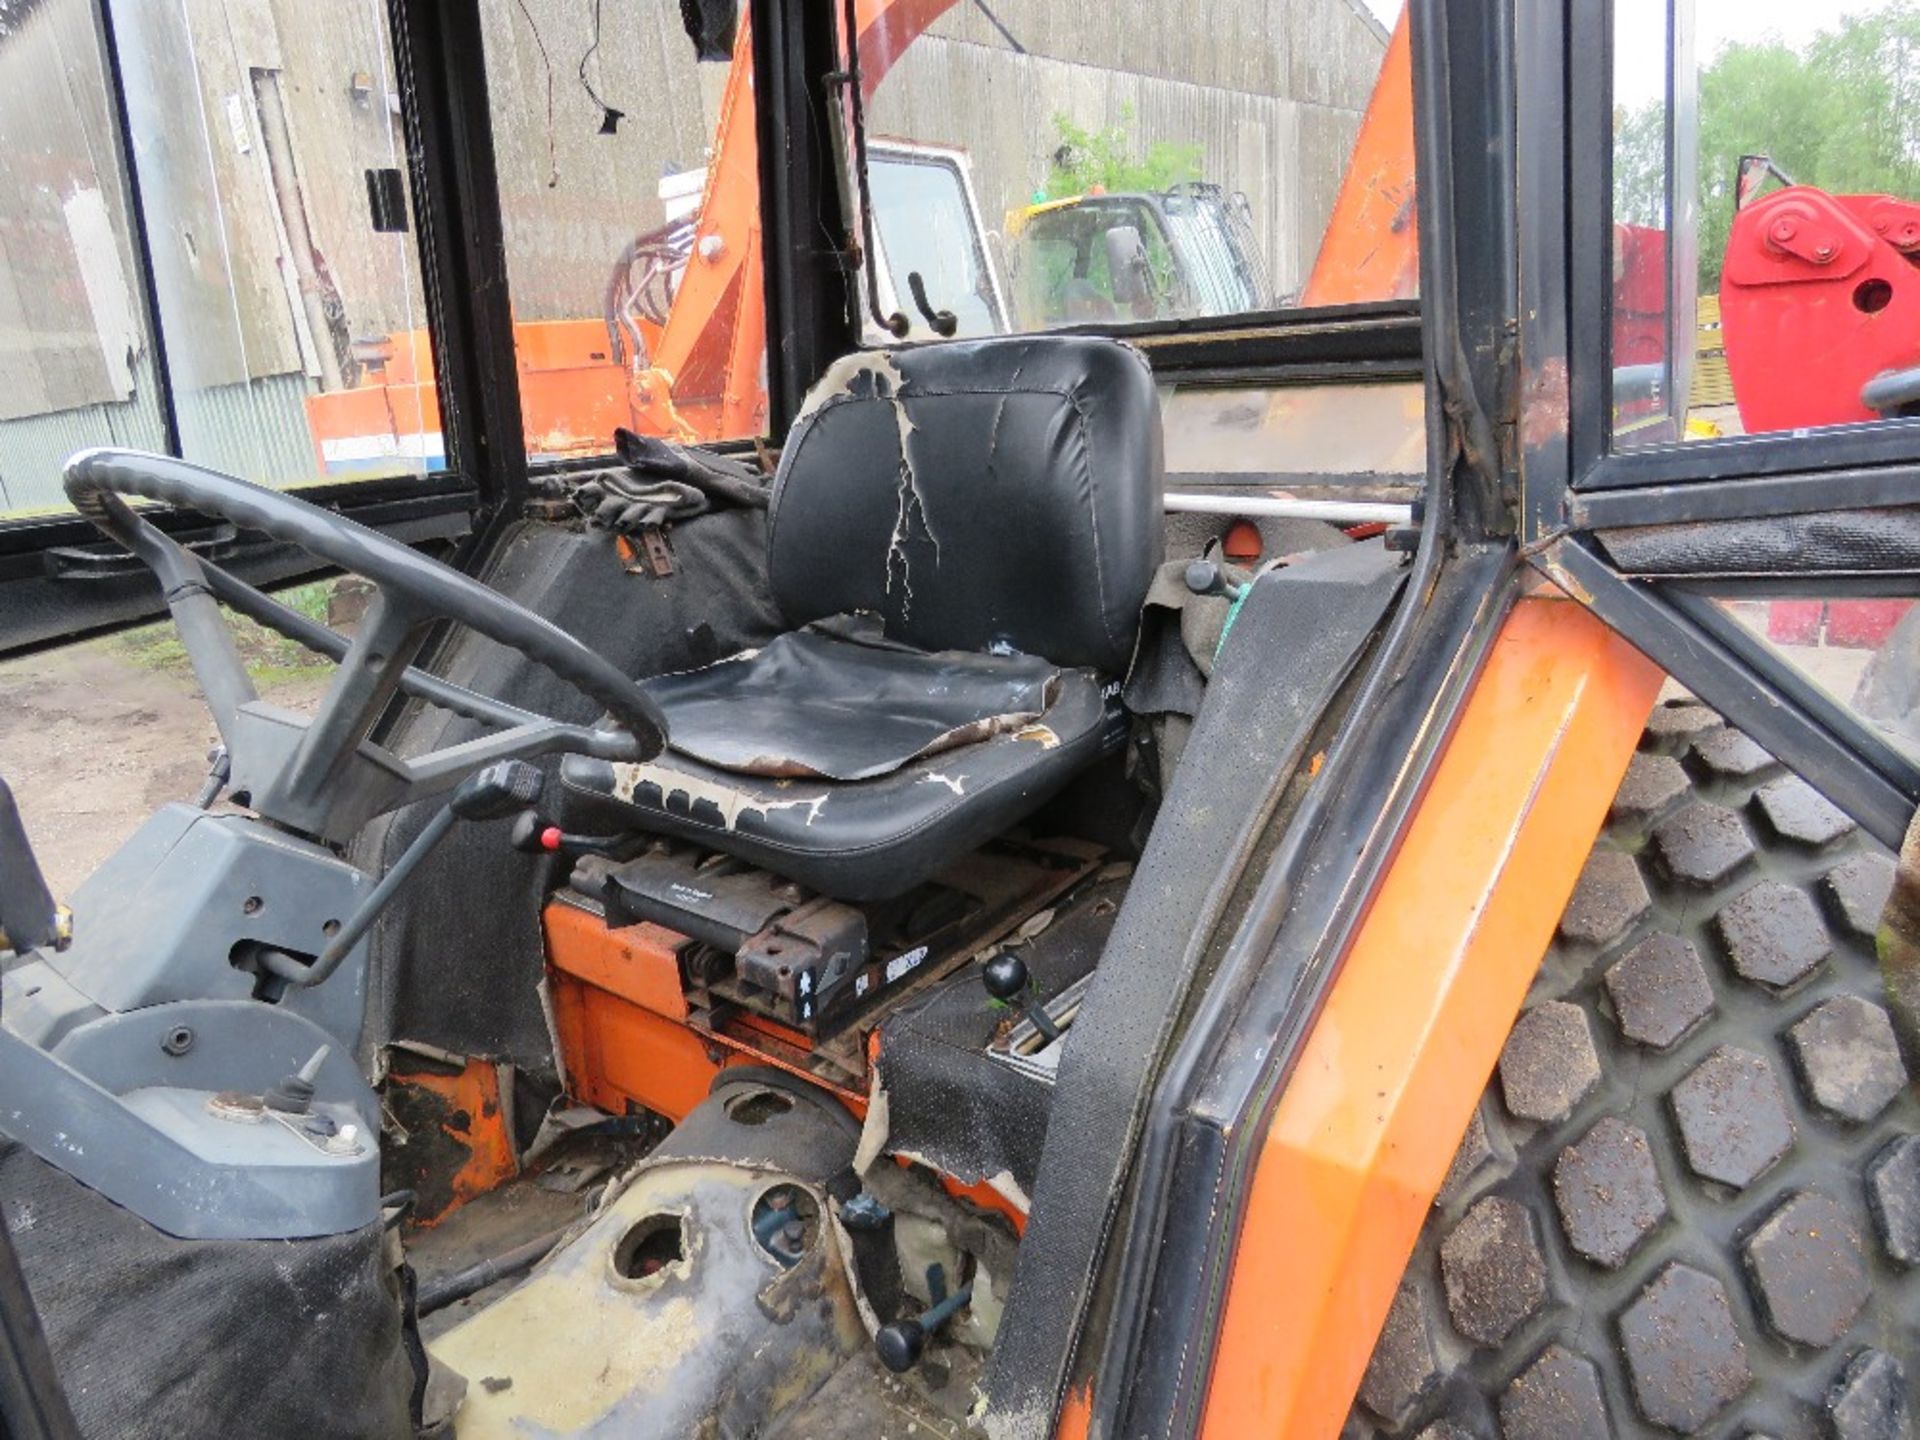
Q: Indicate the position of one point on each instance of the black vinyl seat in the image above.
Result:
(962, 536)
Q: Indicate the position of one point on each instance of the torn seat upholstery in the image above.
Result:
(961, 536)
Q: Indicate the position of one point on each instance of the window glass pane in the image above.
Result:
(630, 191)
(924, 211)
(81, 795)
(1769, 194)
(1127, 166)
(76, 364)
(1315, 441)
(1264, 473)
(1863, 653)
(291, 309)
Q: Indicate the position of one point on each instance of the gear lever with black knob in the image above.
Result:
(901, 1344)
(1007, 979)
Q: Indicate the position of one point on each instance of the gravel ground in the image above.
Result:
(93, 737)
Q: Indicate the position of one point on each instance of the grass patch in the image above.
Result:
(272, 660)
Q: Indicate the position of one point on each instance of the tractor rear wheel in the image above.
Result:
(1689, 1200)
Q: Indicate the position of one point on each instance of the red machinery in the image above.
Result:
(1819, 296)
(1819, 300)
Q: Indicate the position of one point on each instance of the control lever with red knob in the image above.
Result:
(534, 834)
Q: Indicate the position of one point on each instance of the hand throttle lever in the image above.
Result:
(534, 834)
(501, 789)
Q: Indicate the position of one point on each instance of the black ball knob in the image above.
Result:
(1005, 976)
(1204, 578)
(900, 1345)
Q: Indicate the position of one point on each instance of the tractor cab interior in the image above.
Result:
(831, 904)
(717, 910)
(955, 733)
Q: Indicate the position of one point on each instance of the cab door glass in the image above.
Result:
(268, 142)
(1864, 652)
(630, 196)
(1766, 218)
(929, 226)
(77, 362)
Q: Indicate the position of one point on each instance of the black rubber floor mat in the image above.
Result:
(967, 1112)
(1690, 1199)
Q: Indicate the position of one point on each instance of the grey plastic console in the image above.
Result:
(136, 1060)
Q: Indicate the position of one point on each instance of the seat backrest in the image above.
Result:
(977, 494)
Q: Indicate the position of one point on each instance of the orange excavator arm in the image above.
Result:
(705, 380)
(702, 374)
(1371, 247)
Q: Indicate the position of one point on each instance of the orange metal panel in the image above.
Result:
(573, 411)
(615, 1052)
(563, 345)
(1076, 1415)
(1371, 247)
(470, 1113)
(625, 1033)
(635, 962)
(1362, 1137)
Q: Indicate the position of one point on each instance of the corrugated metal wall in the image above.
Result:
(257, 429)
(33, 448)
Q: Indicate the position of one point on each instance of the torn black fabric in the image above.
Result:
(158, 1337)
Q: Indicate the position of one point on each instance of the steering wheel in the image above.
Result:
(322, 776)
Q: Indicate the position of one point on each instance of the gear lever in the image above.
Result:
(501, 789)
(901, 1344)
(1007, 980)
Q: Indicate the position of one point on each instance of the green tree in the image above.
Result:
(1085, 158)
(1843, 114)
(1640, 166)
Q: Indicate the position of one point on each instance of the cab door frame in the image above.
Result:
(1688, 498)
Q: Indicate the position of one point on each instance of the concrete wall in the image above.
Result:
(1272, 94)
(570, 196)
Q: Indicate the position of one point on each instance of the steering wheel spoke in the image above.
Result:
(330, 780)
(264, 610)
(184, 585)
(380, 652)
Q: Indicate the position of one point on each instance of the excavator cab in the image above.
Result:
(1182, 253)
(1209, 814)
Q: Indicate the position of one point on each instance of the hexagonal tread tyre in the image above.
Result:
(1689, 1201)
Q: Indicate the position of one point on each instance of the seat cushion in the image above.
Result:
(1001, 493)
(839, 701)
(857, 840)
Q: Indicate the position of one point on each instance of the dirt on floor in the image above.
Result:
(94, 736)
